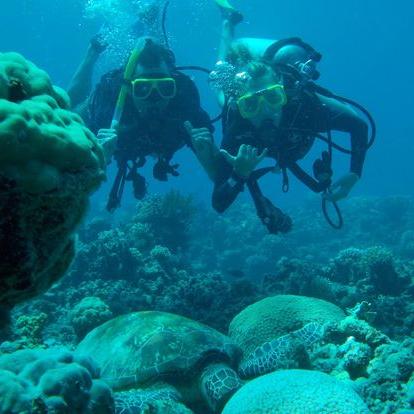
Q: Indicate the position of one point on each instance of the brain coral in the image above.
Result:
(276, 316)
(296, 392)
(49, 165)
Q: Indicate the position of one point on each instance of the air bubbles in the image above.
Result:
(124, 21)
(225, 78)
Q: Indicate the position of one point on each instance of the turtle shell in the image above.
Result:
(144, 347)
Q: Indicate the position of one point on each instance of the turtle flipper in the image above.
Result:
(218, 383)
(286, 352)
(144, 401)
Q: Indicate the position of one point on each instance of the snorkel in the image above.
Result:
(128, 76)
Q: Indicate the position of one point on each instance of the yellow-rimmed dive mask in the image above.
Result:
(251, 104)
(143, 87)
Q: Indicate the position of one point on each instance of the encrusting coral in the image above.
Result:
(50, 163)
(52, 381)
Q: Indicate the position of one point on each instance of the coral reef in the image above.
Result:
(296, 391)
(390, 378)
(30, 328)
(212, 273)
(380, 368)
(49, 165)
(89, 313)
(34, 381)
(276, 316)
(130, 267)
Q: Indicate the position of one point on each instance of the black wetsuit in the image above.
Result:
(160, 135)
(305, 115)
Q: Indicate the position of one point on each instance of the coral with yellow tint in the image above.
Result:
(50, 163)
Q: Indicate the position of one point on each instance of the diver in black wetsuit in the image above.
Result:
(161, 114)
(277, 113)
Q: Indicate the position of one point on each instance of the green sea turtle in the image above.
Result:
(150, 356)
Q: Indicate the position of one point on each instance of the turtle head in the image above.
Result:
(218, 383)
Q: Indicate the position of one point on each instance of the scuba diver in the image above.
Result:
(274, 109)
(147, 109)
(160, 114)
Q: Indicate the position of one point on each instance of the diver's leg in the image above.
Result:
(231, 18)
(81, 83)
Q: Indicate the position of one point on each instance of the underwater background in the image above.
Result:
(366, 46)
(172, 253)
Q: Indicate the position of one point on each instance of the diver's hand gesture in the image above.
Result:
(245, 162)
(204, 148)
(342, 187)
(201, 139)
(108, 139)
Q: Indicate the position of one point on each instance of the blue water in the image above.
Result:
(171, 256)
(367, 49)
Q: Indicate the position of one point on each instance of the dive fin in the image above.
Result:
(224, 4)
(229, 12)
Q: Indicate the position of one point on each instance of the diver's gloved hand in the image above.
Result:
(275, 220)
(162, 168)
(108, 138)
(246, 161)
(98, 44)
(138, 184)
(342, 187)
(322, 169)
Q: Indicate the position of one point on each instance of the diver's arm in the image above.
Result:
(230, 179)
(202, 144)
(199, 128)
(235, 174)
(226, 188)
(209, 160)
(359, 141)
(81, 84)
(341, 117)
(208, 156)
(358, 130)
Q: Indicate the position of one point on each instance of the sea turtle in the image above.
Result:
(148, 356)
